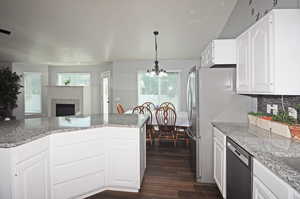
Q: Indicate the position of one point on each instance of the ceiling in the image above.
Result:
(94, 31)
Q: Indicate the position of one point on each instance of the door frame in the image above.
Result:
(106, 74)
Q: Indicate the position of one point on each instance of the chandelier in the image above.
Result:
(155, 70)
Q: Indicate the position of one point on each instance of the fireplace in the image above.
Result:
(65, 109)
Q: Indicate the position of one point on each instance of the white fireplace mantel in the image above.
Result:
(80, 96)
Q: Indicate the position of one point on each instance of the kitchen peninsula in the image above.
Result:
(72, 157)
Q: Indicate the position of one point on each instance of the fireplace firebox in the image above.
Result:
(65, 109)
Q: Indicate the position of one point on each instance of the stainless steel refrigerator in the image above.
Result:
(211, 97)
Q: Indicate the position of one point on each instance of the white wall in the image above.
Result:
(241, 18)
(124, 82)
(5, 65)
(94, 70)
(20, 68)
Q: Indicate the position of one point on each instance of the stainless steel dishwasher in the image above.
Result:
(238, 172)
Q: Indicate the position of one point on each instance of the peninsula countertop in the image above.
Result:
(17, 132)
(273, 151)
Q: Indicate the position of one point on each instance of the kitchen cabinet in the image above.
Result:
(123, 171)
(260, 191)
(267, 185)
(243, 61)
(219, 52)
(78, 162)
(267, 62)
(220, 160)
(260, 38)
(25, 170)
(296, 195)
(32, 178)
(75, 164)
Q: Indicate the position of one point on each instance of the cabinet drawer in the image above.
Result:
(278, 187)
(28, 150)
(68, 138)
(75, 152)
(68, 172)
(79, 187)
(219, 136)
(124, 133)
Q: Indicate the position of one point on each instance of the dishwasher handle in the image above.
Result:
(239, 154)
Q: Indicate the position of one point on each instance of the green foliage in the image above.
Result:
(67, 82)
(284, 117)
(297, 107)
(259, 114)
(9, 88)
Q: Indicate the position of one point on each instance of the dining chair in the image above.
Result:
(166, 121)
(149, 105)
(149, 127)
(181, 134)
(120, 109)
(168, 104)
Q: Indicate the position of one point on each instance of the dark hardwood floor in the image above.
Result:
(168, 176)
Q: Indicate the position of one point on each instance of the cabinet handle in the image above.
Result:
(16, 174)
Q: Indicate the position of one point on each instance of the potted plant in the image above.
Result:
(9, 90)
(285, 125)
(260, 119)
(67, 82)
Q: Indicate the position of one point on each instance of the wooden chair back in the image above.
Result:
(166, 119)
(168, 104)
(143, 110)
(149, 105)
(120, 109)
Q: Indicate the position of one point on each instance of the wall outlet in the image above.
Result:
(292, 112)
(272, 109)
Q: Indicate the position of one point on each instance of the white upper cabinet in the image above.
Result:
(267, 58)
(219, 52)
(243, 60)
(260, 38)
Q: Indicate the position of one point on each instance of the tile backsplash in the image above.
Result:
(288, 101)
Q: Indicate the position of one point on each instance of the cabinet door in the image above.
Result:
(243, 72)
(124, 164)
(32, 178)
(218, 165)
(260, 191)
(296, 195)
(260, 37)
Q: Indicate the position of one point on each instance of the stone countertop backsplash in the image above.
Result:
(18, 132)
(271, 150)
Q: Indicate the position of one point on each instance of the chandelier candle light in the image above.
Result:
(156, 70)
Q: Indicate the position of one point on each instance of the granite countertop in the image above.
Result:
(279, 154)
(17, 132)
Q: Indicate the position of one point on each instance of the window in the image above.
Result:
(73, 79)
(159, 89)
(33, 93)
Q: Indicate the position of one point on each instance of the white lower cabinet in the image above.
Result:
(220, 161)
(296, 195)
(74, 164)
(123, 172)
(260, 191)
(32, 178)
(266, 185)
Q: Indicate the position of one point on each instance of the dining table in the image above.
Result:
(182, 120)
